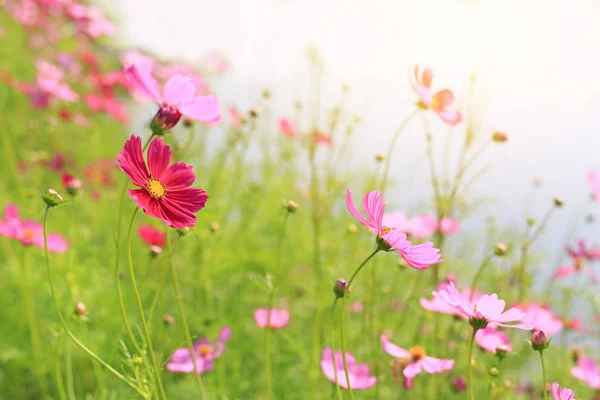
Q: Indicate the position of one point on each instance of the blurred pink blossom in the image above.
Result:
(587, 371)
(441, 102)
(277, 320)
(358, 373)
(490, 338)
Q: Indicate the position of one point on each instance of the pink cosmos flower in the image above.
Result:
(594, 181)
(179, 97)
(541, 318)
(448, 226)
(286, 126)
(108, 105)
(205, 353)
(90, 20)
(587, 371)
(29, 232)
(441, 102)
(490, 338)
(562, 394)
(277, 320)
(419, 256)
(420, 226)
(438, 305)
(578, 256)
(358, 373)
(488, 309)
(164, 190)
(49, 82)
(414, 360)
(153, 238)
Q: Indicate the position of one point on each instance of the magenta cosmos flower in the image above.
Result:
(415, 360)
(179, 98)
(541, 317)
(358, 373)
(562, 394)
(419, 256)
(491, 338)
(438, 305)
(277, 320)
(164, 190)
(488, 309)
(441, 102)
(205, 352)
(154, 238)
(578, 257)
(587, 371)
(29, 232)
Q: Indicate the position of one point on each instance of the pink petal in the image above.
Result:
(374, 208)
(11, 213)
(192, 199)
(205, 109)
(277, 319)
(412, 370)
(140, 76)
(131, 161)
(435, 365)
(152, 236)
(179, 90)
(422, 256)
(178, 176)
(392, 349)
(355, 212)
(565, 270)
(159, 156)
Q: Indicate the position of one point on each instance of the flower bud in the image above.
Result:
(538, 181)
(52, 198)
(291, 205)
(500, 249)
(576, 353)
(255, 111)
(351, 228)
(214, 227)
(459, 384)
(80, 309)
(155, 251)
(186, 231)
(168, 319)
(165, 119)
(339, 288)
(558, 202)
(379, 157)
(531, 221)
(499, 137)
(71, 183)
(299, 105)
(502, 351)
(494, 371)
(539, 340)
(266, 93)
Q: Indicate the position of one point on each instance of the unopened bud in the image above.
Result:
(507, 384)
(500, 249)
(291, 205)
(168, 319)
(531, 221)
(459, 384)
(186, 231)
(299, 105)
(266, 93)
(214, 227)
(494, 371)
(502, 350)
(351, 228)
(576, 353)
(155, 251)
(379, 157)
(558, 202)
(52, 198)
(539, 340)
(255, 111)
(346, 87)
(538, 181)
(165, 119)
(339, 288)
(499, 137)
(80, 309)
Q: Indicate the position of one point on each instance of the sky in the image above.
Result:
(536, 63)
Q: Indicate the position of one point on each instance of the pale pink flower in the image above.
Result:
(587, 371)
(438, 305)
(286, 126)
(578, 256)
(277, 320)
(422, 226)
(441, 102)
(165, 72)
(357, 307)
(448, 226)
(415, 360)
(90, 20)
(594, 181)
(417, 256)
(488, 309)
(397, 220)
(49, 81)
(29, 232)
(490, 338)
(358, 373)
(562, 394)
(205, 353)
(541, 318)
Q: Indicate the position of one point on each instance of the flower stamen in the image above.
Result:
(156, 188)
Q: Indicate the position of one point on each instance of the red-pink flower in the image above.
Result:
(419, 256)
(29, 232)
(415, 360)
(358, 373)
(152, 237)
(277, 320)
(71, 183)
(491, 338)
(438, 305)
(286, 126)
(441, 102)
(562, 394)
(164, 190)
(179, 97)
(488, 309)
(541, 318)
(587, 371)
(578, 256)
(594, 181)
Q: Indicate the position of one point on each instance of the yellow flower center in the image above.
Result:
(28, 234)
(386, 230)
(156, 188)
(578, 263)
(417, 352)
(204, 350)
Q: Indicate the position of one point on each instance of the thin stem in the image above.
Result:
(66, 328)
(335, 371)
(388, 157)
(58, 371)
(141, 308)
(69, 368)
(359, 268)
(543, 375)
(186, 327)
(470, 365)
(477, 275)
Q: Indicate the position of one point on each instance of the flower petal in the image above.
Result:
(392, 349)
(131, 161)
(140, 76)
(178, 176)
(204, 108)
(355, 212)
(179, 90)
(159, 156)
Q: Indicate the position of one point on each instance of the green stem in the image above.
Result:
(186, 327)
(543, 375)
(141, 308)
(470, 366)
(66, 328)
(69, 368)
(335, 371)
(477, 275)
(58, 371)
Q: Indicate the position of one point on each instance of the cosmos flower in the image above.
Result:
(415, 360)
(154, 238)
(71, 183)
(286, 126)
(578, 257)
(562, 394)
(277, 320)
(441, 102)
(358, 373)
(420, 226)
(490, 339)
(438, 305)
(164, 190)
(542, 318)
(488, 309)
(417, 256)
(587, 371)
(29, 232)
(206, 352)
(179, 97)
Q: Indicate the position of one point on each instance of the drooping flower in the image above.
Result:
(419, 256)
(415, 360)
(205, 353)
(562, 394)
(541, 317)
(491, 338)
(488, 309)
(441, 102)
(587, 371)
(286, 126)
(164, 190)
(29, 232)
(436, 304)
(153, 238)
(358, 373)
(179, 98)
(578, 257)
(277, 320)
